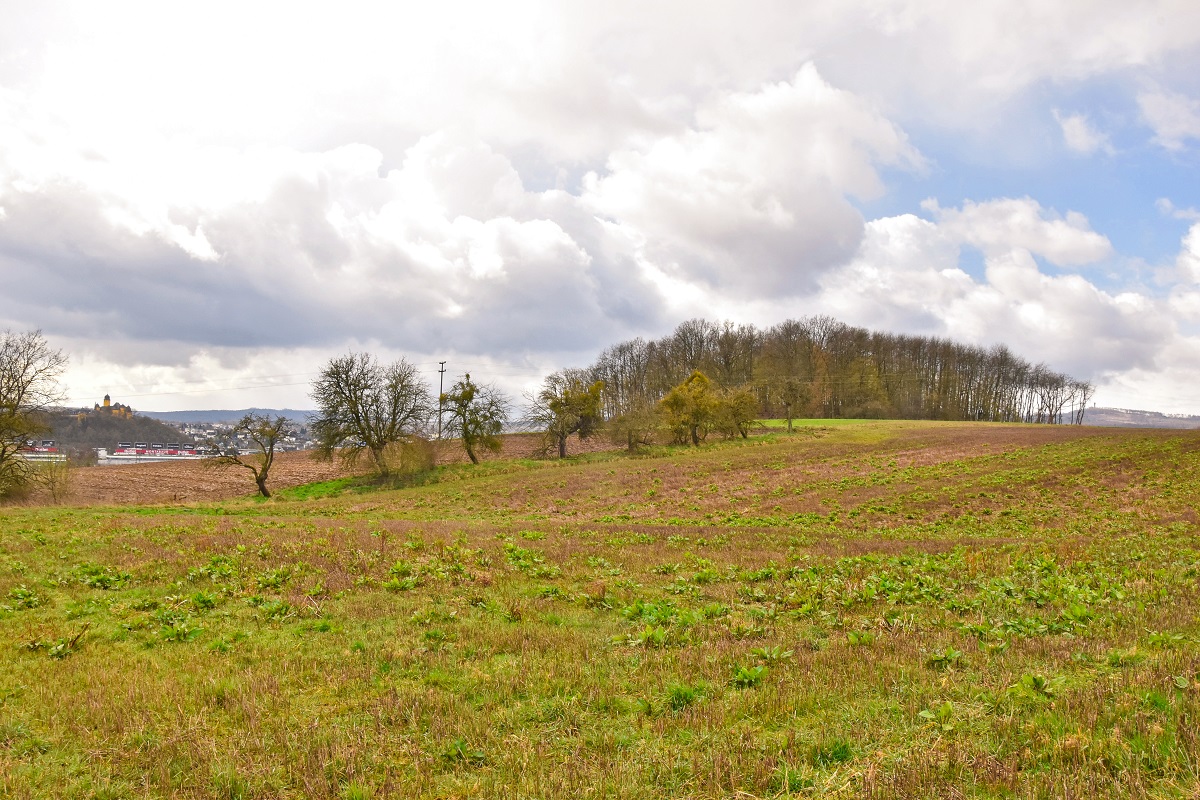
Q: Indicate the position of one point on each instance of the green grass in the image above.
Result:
(885, 609)
(772, 424)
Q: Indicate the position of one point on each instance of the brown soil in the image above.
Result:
(196, 481)
(189, 481)
(916, 444)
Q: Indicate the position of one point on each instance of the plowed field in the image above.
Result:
(193, 481)
(189, 481)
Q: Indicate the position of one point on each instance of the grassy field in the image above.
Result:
(776, 424)
(875, 610)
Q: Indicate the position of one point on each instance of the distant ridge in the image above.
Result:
(225, 415)
(1129, 418)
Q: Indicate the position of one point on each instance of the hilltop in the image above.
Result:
(210, 416)
(1128, 418)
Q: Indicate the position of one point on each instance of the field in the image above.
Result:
(890, 609)
(190, 481)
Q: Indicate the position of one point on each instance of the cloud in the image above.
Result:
(276, 245)
(998, 226)
(1175, 118)
(1169, 209)
(753, 198)
(1169, 381)
(1188, 262)
(572, 82)
(532, 181)
(448, 249)
(1080, 136)
(907, 277)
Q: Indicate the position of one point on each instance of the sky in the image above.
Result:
(202, 203)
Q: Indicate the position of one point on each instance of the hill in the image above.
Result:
(217, 415)
(879, 609)
(79, 433)
(1127, 418)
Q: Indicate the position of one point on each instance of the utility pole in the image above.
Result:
(441, 391)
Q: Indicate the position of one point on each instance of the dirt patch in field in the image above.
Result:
(196, 481)
(188, 481)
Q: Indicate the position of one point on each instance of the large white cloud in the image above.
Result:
(906, 277)
(754, 198)
(1184, 298)
(449, 248)
(997, 226)
(1188, 262)
(269, 245)
(578, 79)
(188, 192)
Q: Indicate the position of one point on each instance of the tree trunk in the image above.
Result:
(562, 446)
(470, 452)
(261, 480)
(380, 462)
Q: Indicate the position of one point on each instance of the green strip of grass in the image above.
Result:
(815, 423)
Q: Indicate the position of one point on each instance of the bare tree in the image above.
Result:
(29, 371)
(477, 415)
(266, 434)
(365, 407)
(1082, 392)
(635, 427)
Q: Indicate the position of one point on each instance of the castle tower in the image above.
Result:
(107, 401)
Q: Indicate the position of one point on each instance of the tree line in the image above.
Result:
(820, 367)
(704, 377)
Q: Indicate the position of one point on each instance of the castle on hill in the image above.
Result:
(113, 409)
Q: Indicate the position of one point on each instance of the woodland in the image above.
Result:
(820, 367)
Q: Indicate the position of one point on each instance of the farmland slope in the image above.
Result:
(888, 609)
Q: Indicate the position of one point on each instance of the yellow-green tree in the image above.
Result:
(736, 410)
(635, 427)
(689, 409)
(477, 415)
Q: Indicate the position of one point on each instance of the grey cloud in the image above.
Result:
(753, 199)
(285, 275)
(67, 263)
